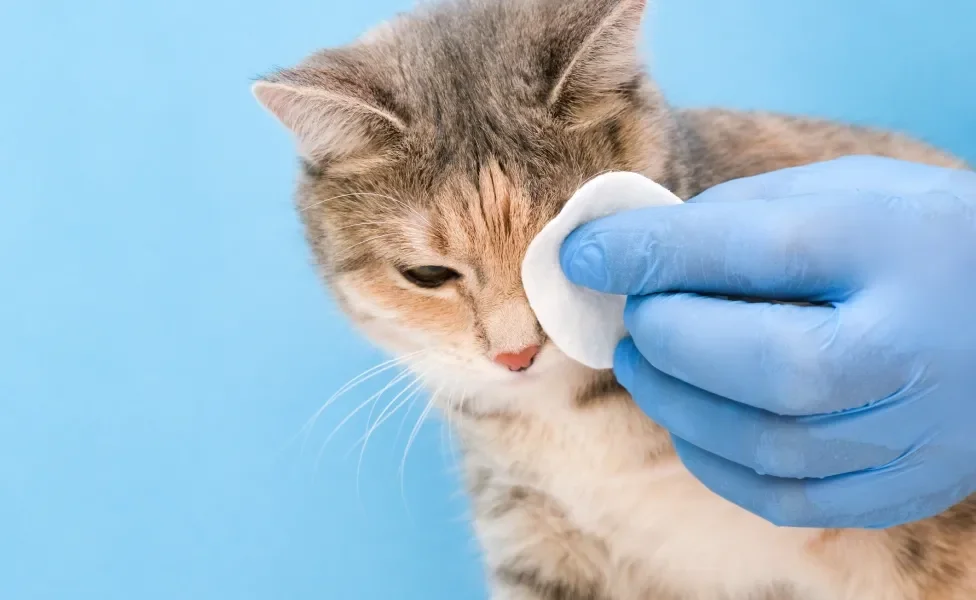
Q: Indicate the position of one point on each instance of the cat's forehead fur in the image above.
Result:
(480, 72)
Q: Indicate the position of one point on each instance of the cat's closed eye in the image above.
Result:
(429, 276)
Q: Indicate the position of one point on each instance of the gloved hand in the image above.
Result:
(858, 411)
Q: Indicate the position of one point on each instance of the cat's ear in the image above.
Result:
(592, 57)
(333, 115)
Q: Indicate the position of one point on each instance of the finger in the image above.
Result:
(875, 499)
(804, 248)
(766, 443)
(782, 358)
(729, 240)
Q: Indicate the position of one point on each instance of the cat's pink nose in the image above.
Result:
(518, 361)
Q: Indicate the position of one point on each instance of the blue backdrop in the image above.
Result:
(163, 337)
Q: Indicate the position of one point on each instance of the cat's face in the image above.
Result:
(438, 146)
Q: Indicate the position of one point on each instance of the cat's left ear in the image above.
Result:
(592, 57)
(336, 109)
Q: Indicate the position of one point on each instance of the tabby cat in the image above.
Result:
(433, 149)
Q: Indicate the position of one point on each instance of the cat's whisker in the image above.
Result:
(446, 431)
(372, 409)
(362, 224)
(376, 195)
(403, 421)
(339, 197)
(363, 377)
(413, 394)
(349, 386)
(372, 399)
(400, 377)
(418, 382)
(403, 204)
(414, 387)
(373, 239)
(410, 441)
(450, 410)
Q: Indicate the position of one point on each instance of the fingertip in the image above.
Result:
(582, 259)
(567, 252)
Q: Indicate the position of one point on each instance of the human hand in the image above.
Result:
(859, 411)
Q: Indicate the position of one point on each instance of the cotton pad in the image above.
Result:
(584, 324)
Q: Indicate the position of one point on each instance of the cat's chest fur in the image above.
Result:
(589, 503)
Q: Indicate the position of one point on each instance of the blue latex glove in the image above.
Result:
(860, 412)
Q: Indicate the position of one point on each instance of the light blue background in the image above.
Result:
(162, 335)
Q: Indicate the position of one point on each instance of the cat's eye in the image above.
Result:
(429, 276)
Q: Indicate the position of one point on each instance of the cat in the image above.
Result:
(433, 149)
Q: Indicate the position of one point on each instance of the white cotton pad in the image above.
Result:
(584, 324)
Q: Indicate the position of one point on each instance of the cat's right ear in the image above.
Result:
(590, 56)
(331, 117)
